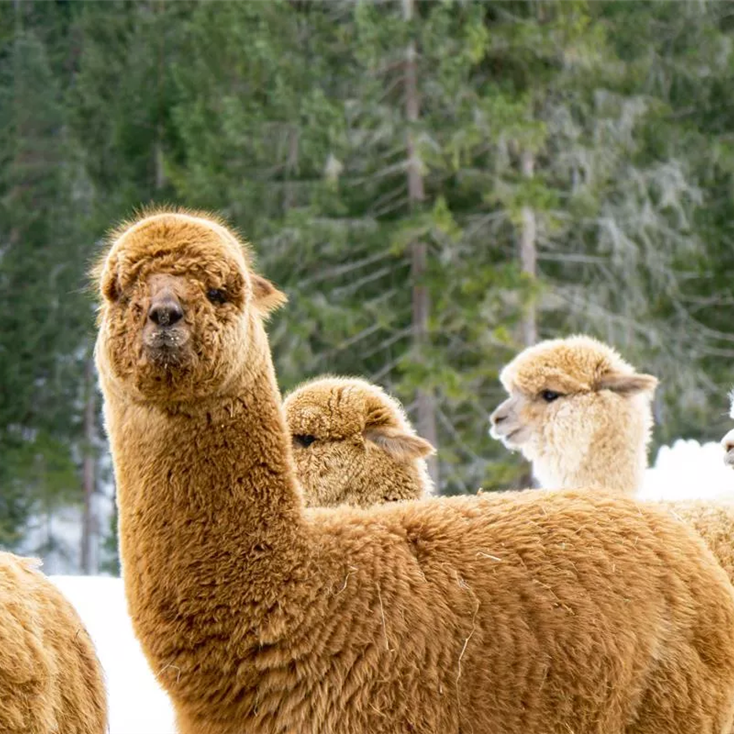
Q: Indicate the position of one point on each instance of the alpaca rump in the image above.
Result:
(535, 614)
(50, 678)
(353, 444)
(714, 522)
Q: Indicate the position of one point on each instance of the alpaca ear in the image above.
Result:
(628, 384)
(399, 444)
(265, 295)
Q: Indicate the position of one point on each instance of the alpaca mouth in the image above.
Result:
(166, 347)
(511, 439)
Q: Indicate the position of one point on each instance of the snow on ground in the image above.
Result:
(137, 703)
(687, 470)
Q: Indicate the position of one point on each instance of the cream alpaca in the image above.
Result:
(50, 678)
(353, 444)
(578, 412)
(583, 417)
(538, 614)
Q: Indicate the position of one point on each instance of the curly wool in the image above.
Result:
(50, 679)
(353, 444)
(538, 614)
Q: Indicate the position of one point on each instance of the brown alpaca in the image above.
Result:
(583, 417)
(352, 444)
(539, 614)
(50, 679)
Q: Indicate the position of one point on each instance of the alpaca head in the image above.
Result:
(728, 441)
(180, 308)
(573, 405)
(353, 444)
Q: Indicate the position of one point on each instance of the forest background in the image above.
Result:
(433, 184)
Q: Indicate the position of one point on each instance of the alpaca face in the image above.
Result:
(728, 441)
(550, 420)
(566, 395)
(352, 445)
(178, 308)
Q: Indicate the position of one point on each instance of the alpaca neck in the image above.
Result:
(211, 528)
(613, 457)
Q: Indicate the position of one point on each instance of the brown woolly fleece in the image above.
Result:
(353, 444)
(597, 431)
(50, 679)
(546, 613)
(576, 407)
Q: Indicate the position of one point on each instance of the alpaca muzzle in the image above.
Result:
(165, 309)
(505, 427)
(165, 334)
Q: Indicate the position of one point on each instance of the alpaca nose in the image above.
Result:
(165, 309)
(497, 417)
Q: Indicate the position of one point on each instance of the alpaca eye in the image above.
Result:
(304, 441)
(550, 395)
(216, 296)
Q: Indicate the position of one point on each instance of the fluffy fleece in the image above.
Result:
(353, 444)
(50, 679)
(596, 428)
(544, 613)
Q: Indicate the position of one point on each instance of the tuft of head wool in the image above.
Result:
(50, 677)
(546, 612)
(353, 444)
(579, 412)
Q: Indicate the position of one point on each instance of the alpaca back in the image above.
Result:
(530, 612)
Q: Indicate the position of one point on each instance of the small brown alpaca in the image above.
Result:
(50, 678)
(543, 613)
(352, 444)
(583, 417)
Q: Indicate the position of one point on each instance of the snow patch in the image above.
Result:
(138, 705)
(688, 470)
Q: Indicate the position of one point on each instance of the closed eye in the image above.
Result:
(550, 395)
(303, 440)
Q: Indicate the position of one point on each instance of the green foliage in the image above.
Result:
(610, 122)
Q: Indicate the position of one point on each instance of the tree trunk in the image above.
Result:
(426, 408)
(88, 471)
(158, 162)
(529, 252)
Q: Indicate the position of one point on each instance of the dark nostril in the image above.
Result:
(165, 313)
(496, 418)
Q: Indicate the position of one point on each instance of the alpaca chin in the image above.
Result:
(167, 350)
(513, 440)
